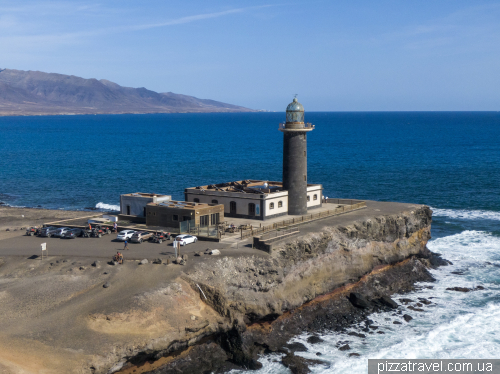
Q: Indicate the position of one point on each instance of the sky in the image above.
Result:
(349, 55)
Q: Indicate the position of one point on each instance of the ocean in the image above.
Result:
(447, 160)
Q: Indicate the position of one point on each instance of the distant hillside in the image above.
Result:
(38, 93)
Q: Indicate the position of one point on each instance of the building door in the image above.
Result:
(232, 207)
(251, 209)
(128, 210)
(144, 212)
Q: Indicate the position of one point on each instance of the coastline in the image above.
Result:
(156, 312)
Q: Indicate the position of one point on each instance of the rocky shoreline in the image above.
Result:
(222, 312)
(327, 281)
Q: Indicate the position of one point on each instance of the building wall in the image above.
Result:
(311, 191)
(138, 203)
(163, 216)
(277, 210)
(242, 200)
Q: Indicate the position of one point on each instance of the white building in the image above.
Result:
(253, 199)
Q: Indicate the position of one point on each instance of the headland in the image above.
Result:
(74, 313)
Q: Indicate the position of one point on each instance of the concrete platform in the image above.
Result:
(18, 244)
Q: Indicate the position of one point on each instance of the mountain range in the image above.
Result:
(39, 93)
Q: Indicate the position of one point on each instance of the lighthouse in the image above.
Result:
(295, 157)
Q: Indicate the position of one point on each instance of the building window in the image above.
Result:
(196, 200)
(204, 220)
(175, 217)
(308, 198)
(214, 219)
(251, 209)
(271, 205)
(149, 213)
(232, 207)
(315, 197)
(280, 204)
(186, 218)
(215, 202)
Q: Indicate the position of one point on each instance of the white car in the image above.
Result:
(125, 235)
(61, 231)
(186, 239)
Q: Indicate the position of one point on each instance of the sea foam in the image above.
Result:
(455, 325)
(466, 214)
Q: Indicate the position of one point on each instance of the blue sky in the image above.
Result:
(336, 55)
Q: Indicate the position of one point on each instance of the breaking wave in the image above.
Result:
(455, 325)
(108, 207)
(466, 214)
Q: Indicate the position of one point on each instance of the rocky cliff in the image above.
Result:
(216, 311)
(264, 301)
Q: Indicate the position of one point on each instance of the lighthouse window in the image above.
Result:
(271, 206)
(304, 153)
(280, 204)
(308, 198)
(315, 197)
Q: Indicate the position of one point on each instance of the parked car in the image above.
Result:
(48, 231)
(72, 234)
(140, 236)
(186, 239)
(32, 231)
(125, 235)
(61, 231)
(160, 236)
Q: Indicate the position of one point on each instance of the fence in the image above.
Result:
(358, 204)
(190, 227)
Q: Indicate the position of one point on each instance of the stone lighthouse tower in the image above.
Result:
(295, 157)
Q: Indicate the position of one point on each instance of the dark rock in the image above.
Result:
(158, 261)
(380, 332)
(296, 347)
(319, 354)
(457, 272)
(407, 317)
(197, 253)
(459, 289)
(406, 301)
(479, 288)
(359, 301)
(344, 347)
(356, 334)
(7, 229)
(416, 309)
(388, 302)
(314, 339)
(396, 322)
(106, 285)
(424, 301)
(95, 263)
(419, 305)
(435, 260)
(354, 354)
(373, 327)
(296, 364)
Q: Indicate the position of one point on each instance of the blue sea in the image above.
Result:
(447, 160)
